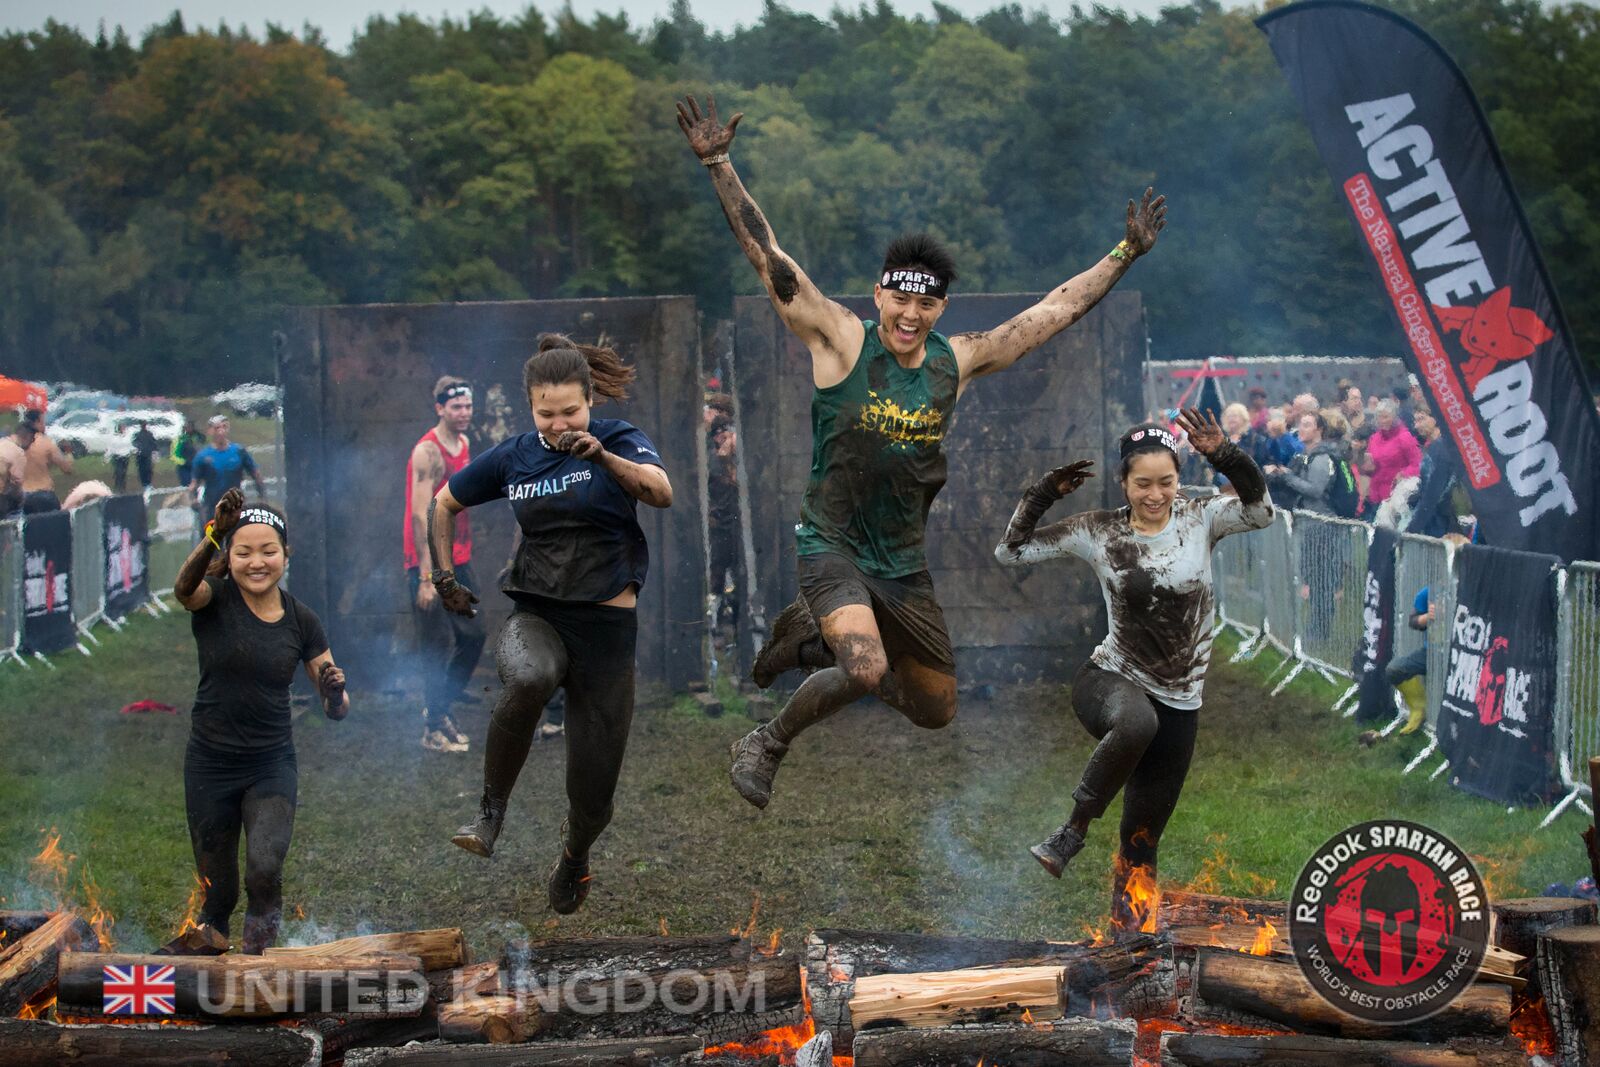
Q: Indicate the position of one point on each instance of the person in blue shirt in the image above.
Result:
(221, 466)
(574, 484)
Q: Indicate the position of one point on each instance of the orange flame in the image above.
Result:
(191, 908)
(1265, 934)
(37, 1009)
(1530, 1022)
(749, 928)
(663, 926)
(1142, 897)
(48, 870)
(299, 910)
(95, 913)
(774, 943)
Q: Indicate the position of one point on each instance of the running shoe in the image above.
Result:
(756, 756)
(792, 630)
(569, 880)
(478, 836)
(1057, 849)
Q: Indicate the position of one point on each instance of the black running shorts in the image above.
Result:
(910, 620)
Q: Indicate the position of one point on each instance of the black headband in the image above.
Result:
(1145, 438)
(450, 392)
(263, 516)
(919, 282)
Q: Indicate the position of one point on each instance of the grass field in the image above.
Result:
(875, 824)
(259, 435)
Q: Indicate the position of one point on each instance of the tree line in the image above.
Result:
(159, 199)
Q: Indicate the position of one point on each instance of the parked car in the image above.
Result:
(110, 432)
(87, 400)
(252, 398)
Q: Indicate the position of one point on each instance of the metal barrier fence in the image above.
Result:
(1330, 557)
(10, 590)
(1425, 563)
(1577, 716)
(88, 591)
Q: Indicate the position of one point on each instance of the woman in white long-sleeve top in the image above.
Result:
(1140, 690)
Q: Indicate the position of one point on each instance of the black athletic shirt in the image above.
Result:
(580, 529)
(246, 667)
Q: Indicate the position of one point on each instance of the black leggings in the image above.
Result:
(228, 791)
(586, 649)
(1144, 751)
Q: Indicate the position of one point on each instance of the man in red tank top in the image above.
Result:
(449, 644)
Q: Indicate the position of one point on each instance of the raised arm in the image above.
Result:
(984, 353)
(58, 459)
(189, 587)
(1021, 543)
(831, 332)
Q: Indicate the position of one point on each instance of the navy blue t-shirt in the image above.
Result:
(580, 530)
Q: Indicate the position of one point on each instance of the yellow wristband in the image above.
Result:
(1123, 251)
(212, 537)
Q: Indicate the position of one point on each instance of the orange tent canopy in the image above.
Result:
(20, 394)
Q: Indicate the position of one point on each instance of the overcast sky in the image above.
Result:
(340, 19)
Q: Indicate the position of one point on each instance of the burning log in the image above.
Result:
(719, 987)
(1519, 923)
(29, 967)
(1180, 908)
(259, 986)
(25, 1043)
(15, 925)
(340, 1034)
(1077, 1042)
(1134, 977)
(818, 1052)
(1569, 972)
(947, 998)
(631, 1052)
(1275, 991)
(496, 1019)
(1215, 1050)
(437, 949)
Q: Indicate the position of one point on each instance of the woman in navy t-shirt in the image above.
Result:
(574, 484)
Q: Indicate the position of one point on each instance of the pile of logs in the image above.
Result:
(1215, 984)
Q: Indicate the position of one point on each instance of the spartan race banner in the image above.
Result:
(127, 555)
(1397, 124)
(1495, 724)
(47, 582)
(1377, 629)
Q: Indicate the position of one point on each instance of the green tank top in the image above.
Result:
(877, 458)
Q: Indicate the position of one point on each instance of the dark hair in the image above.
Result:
(560, 360)
(1402, 393)
(33, 419)
(1126, 467)
(924, 251)
(1322, 422)
(218, 567)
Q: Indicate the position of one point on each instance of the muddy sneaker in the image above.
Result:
(443, 735)
(478, 836)
(569, 880)
(795, 642)
(756, 756)
(1054, 852)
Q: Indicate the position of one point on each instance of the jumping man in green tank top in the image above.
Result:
(884, 395)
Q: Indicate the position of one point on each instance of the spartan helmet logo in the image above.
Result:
(1391, 910)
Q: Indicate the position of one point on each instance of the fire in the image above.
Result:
(96, 914)
(782, 1042)
(663, 926)
(774, 943)
(1142, 897)
(51, 871)
(191, 909)
(1530, 1022)
(48, 870)
(1265, 934)
(38, 1009)
(299, 910)
(749, 928)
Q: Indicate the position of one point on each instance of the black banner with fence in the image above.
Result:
(47, 624)
(127, 555)
(1496, 722)
(1377, 629)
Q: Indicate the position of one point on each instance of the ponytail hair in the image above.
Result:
(560, 360)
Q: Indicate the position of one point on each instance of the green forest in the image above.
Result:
(160, 196)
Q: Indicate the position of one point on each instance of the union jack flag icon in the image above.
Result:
(140, 989)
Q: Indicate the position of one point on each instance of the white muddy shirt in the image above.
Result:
(1157, 586)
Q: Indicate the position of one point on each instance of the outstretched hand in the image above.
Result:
(1146, 221)
(226, 516)
(1202, 430)
(707, 136)
(1068, 478)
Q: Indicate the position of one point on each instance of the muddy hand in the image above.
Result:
(226, 517)
(330, 680)
(1146, 221)
(581, 444)
(457, 598)
(1202, 429)
(1068, 478)
(707, 136)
